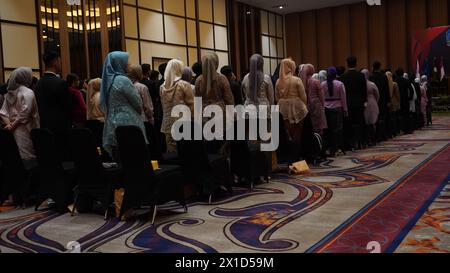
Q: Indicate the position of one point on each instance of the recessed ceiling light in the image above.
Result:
(280, 7)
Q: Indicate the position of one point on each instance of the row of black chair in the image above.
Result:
(86, 180)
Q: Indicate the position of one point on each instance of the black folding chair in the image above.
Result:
(247, 160)
(55, 176)
(142, 184)
(94, 182)
(96, 127)
(15, 176)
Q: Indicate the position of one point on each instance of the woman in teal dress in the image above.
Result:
(119, 100)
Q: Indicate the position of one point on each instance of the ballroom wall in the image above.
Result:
(328, 36)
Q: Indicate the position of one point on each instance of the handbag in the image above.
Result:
(299, 168)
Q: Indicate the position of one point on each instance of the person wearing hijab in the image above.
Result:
(257, 86)
(291, 96)
(394, 107)
(188, 77)
(119, 100)
(316, 100)
(380, 79)
(174, 91)
(423, 102)
(335, 110)
(3, 92)
(93, 101)
(424, 81)
(135, 74)
(419, 114)
(322, 76)
(20, 112)
(212, 87)
(372, 111)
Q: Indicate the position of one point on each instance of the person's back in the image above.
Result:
(53, 98)
(381, 81)
(356, 88)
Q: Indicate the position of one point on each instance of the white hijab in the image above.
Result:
(173, 74)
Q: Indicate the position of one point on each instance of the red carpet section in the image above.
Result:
(384, 224)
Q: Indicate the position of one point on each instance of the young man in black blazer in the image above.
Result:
(356, 89)
(54, 103)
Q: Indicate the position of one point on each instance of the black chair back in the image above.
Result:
(87, 160)
(52, 180)
(96, 127)
(138, 174)
(13, 170)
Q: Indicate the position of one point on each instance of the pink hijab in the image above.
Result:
(306, 73)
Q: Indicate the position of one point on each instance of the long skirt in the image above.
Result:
(334, 136)
(295, 133)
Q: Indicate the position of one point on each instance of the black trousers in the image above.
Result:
(334, 134)
(355, 129)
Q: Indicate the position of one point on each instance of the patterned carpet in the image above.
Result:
(394, 197)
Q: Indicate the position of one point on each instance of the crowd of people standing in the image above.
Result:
(348, 108)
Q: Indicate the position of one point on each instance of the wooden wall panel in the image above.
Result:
(396, 30)
(377, 35)
(416, 18)
(359, 34)
(437, 13)
(308, 37)
(368, 32)
(293, 44)
(325, 38)
(341, 23)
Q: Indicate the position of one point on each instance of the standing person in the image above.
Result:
(19, 112)
(119, 100)
(356, 90)
(93, 101)
(291, 96)
(197, 69)
(187, 77)
(424, 103)
(335, 109)
(55, 103)
(372, 111)
(424, 83)
(322, 76)
(174, 92)
(257, 86)
(405, 93)
(381, 81)
(419, 115)
(316, 99)
(135, 74)
(276, 75)
(424, 80)
(214, 89)
(3, 92)
(211, 86)
(79, 110)
(235, 85)
(394, 107)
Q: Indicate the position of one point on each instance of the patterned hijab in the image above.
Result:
(116, 64)
(210, 64)
(256, 76)
(173, 74)
(323, 75)
(391, 82)
(22, 76)
(306, 72)
(287, 71)
(366, 74)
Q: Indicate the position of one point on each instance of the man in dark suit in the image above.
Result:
(381, 81)
(235, 86)
(54, 103)
(356, 88)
